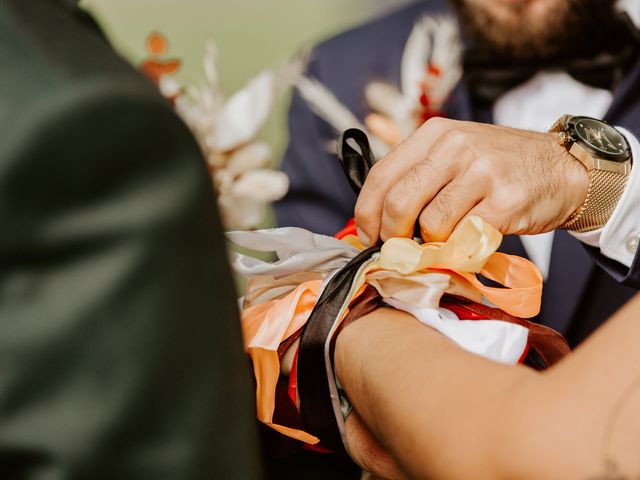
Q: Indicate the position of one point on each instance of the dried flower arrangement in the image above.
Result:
(227, 131)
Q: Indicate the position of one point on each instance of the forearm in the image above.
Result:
(427, 400)
(445, 413)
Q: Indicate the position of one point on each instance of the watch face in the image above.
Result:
(602, 138)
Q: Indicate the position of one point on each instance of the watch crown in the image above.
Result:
(564, 138)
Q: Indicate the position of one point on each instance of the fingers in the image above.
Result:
(447, 159)
(406, 199)
(516, 180)
(388, 171)
(502, 218)
(439, 218)
(367, 452)
(483, 210)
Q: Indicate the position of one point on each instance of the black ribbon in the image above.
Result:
(356, 164)
(316, 407)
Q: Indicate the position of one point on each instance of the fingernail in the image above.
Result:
(364, 238)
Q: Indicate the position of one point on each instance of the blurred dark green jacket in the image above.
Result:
(120, 347)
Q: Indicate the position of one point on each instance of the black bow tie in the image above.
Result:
(488, 77)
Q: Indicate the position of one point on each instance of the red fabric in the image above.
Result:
(293, 380)
(462, 312)
(316, 448)
(349, 229)
(525, 353)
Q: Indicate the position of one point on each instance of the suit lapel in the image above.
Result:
(512, 245)
(569, 273)
(458, 106)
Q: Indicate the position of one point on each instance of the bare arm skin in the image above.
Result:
(445, 413)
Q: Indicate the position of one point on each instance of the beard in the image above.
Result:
(522, 31)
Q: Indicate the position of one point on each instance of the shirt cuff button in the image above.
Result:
(631, 243)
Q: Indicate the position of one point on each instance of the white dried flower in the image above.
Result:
(226, 130)
(249, 157)
(241, 213)
(169, 87)
(243, 115)
(265, 185)
(223, 180)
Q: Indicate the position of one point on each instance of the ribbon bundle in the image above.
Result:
(281, 295)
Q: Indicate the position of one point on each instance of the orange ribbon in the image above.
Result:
(265, 326)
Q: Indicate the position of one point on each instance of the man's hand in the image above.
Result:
(521, 182)
(368, 453)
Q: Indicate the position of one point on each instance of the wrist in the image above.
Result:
(574, 184)
(577, 183)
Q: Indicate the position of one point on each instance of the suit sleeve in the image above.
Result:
(120, 348)
(629, 276)
(319, 197)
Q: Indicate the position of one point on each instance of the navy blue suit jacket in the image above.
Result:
(578, 295)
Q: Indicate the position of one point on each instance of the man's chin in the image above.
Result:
(531, 28)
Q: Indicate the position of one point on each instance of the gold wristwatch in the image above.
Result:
(606, 155)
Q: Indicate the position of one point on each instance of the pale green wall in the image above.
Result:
(251, 34)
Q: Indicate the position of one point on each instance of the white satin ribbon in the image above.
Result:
(298, 250)
(493, 339)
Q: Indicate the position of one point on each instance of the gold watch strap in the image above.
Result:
(605, 190)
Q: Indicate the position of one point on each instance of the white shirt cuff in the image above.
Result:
(619, 238)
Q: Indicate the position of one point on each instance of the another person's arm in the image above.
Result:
(444, 413)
